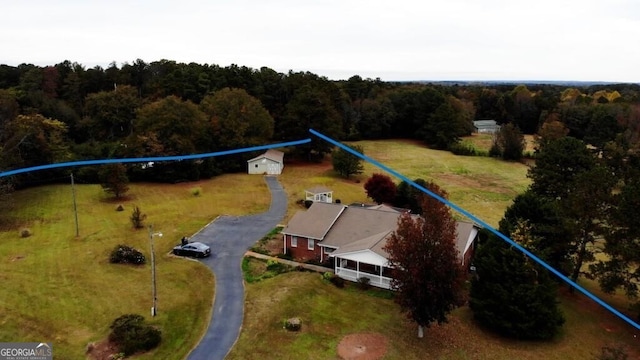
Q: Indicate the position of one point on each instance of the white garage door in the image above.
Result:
(273, 169)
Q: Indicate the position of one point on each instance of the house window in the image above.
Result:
(328, 250)
(294, 241)
(310, 244)
(256, 165)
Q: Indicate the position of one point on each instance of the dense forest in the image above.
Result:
(67, 112)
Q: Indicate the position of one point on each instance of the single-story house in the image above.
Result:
(270, 163)
(319, 193)
(486, 126)
(354, 236)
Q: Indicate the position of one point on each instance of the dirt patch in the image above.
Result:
(17, 257)
(274, 245)
(101, 350)
(363, 347)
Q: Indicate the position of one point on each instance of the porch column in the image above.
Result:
(380, 278)
(284, 244)
(357, 270)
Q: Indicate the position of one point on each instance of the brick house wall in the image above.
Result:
(298, 248)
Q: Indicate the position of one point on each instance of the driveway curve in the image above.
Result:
(229, 238)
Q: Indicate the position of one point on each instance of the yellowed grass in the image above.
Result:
(481, 185)
(484, 141)
(59, 288)
(329, 313)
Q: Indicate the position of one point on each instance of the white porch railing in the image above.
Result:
(354, 275)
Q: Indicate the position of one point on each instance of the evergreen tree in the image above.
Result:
(347, 164)
(512, 295)
(409, 197)
(510, 142)
(114, 179)
(547, 228)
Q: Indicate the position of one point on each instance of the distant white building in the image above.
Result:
(269, 163)
(486, 126)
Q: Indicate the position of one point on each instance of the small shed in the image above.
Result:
(270, 163)
(319, 194)
(486, 126)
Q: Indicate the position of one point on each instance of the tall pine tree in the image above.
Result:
(512, 295)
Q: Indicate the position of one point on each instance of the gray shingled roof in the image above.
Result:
(464, 230)
(270, 154)
(315, 222)
(357, 223)
(319, 190)
(374, 243)
(356, 228)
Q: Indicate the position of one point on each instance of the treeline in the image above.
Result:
(67, 112)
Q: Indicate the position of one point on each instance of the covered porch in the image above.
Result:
(363, 265)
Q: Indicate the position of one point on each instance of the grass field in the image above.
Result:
(329, 313)
(483, 186)
(59, 288)
(483, 142)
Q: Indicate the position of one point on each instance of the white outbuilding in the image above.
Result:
(269, 163)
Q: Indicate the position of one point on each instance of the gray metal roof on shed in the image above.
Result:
(319, 190)
(485, 123)
(270, 154)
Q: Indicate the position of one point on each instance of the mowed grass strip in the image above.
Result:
(59, 288)
(329, 313)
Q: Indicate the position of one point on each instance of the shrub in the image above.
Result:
(462, 148)
(123, 254)
(286, 256)
(137, 218)
(131, 334)
(25, 233)
(119, 207)
(196, 191)
(337, 281)
(308, 203)
(276, 266)
(495, 150)
(613, 353)
(364, 283)
(327, 276)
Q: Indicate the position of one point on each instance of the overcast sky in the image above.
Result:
(393, 40)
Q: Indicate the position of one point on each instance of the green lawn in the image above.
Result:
(59, 288)
(483, 186)
(329, 313)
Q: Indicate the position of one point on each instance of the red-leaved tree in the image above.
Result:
(381, 188)
(427, 276)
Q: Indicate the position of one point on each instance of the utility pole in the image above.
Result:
(154, 308)
(75, 205)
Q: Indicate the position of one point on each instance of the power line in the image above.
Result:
(483, 224)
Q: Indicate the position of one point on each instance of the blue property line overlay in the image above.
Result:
(481, 223)
(152, 159)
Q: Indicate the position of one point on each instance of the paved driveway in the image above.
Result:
(229, 238)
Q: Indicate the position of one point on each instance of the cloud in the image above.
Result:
(399, 40)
